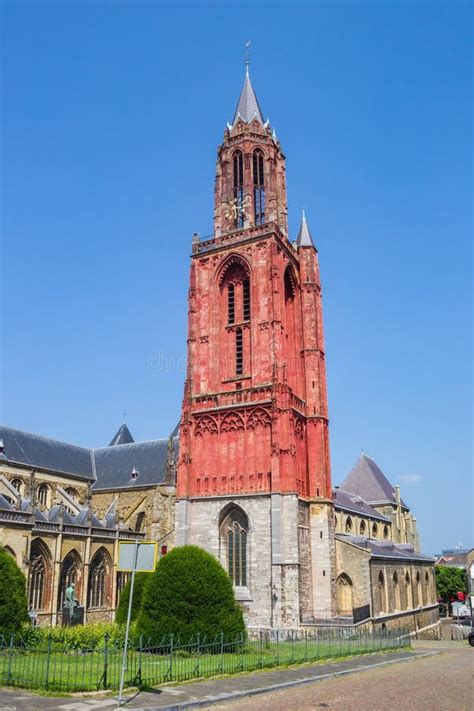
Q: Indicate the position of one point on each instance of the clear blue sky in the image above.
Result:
(112, 113)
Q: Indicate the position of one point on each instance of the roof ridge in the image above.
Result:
(131, 444)
(44, 437)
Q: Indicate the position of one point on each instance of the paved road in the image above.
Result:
(440, 683)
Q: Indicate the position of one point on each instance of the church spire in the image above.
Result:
(304, 238)
(248, 107)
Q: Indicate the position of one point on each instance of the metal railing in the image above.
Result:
(55, 667)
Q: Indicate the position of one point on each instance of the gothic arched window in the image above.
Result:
(258, 187)
(122, 580)
(348, 524)
(427, 587)
(239, 352)
(98, 580)
(362, 528)
(292, 351)
(234, 534)
(344, 599)
(70, 574)
(18, 484)
(408, 590)
(381, 592)
(374, 530)
(40, 576)
(396, 593)
(139, 521)
(246, 299)
(385, 532)
(239, 189)
(230, 303)
(234, 281)
(43, 494)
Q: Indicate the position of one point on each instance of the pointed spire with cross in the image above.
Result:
(248, 107)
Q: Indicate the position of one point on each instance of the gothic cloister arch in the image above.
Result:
(344, 595)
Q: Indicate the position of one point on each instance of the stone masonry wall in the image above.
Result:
(272, 593)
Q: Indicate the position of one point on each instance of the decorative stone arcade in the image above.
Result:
(253, 482)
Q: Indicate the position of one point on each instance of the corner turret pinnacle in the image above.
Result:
(248, 107)
(304, 238)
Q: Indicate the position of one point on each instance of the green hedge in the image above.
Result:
(13, 605)
(81, 637)
(189, 593)
(141, 579)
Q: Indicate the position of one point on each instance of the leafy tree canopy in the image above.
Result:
(189, 593)
(450, 581)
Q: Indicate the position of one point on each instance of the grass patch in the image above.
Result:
(95, 670)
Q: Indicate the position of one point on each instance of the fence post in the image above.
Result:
(260, 644)
(106, 659)
(140, 649)
(198, 661)
(306, 645)
(10, 657)
(278, 648)
(222, 652)
(171, 657)
(48, 661)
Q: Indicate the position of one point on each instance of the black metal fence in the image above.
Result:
(54, 667)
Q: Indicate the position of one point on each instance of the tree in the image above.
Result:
(13, 605)
(189, 593)
(122, 610)
(450, 581)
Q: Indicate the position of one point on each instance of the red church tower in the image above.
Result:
(253, 483)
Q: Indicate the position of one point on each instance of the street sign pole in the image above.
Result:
(127, 629)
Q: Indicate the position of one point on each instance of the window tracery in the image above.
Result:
(69, 575)
(231, 422)
(98, 575)
(234, 536)
(258, 418)
(206, 423)
(39, 578)
(259, 187)
(238, 166)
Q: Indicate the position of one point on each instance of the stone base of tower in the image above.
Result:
(323, 559)
(289, 564)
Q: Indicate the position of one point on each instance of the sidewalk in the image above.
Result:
(204, 693)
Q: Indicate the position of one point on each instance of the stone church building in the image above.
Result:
(246, 474)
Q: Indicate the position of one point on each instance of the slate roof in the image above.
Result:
(4, 504)
(367, 481)
(45, 453)
(248, 107)
(304, 238)
(114, 465)
(385, 549)
(111, 466)
(123, 436)
(344, 501)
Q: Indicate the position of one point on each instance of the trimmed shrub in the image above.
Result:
(80, 637)
(189, 593)
(122, 610)
(13, 605)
